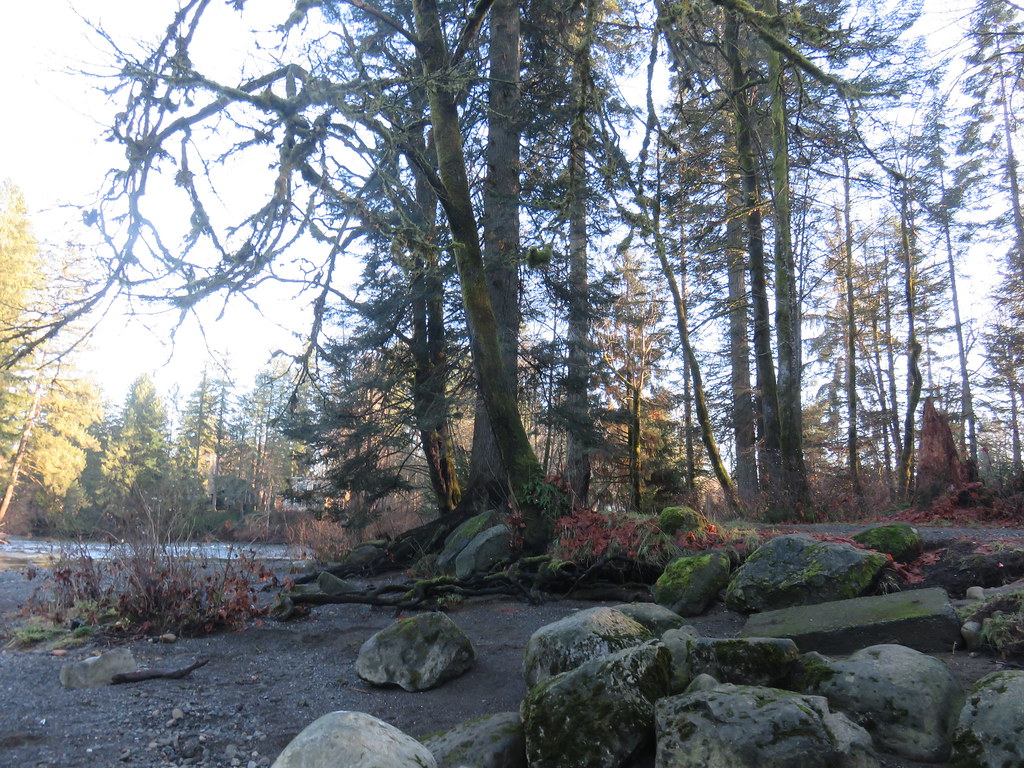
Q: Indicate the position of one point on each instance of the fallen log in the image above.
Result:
(153, 674)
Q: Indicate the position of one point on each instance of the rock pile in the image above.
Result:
(610, 685)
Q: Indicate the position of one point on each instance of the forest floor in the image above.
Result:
(266, 683)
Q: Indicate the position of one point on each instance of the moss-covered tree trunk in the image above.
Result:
(495, 380)
(501, 232)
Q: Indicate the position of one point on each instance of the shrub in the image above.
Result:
(153, 589)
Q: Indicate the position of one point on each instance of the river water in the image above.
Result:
(20, 553)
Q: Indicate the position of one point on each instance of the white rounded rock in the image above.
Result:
(353, 740)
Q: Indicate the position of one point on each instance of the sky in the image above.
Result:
(52, 149)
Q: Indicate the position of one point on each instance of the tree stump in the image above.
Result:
(939, 468)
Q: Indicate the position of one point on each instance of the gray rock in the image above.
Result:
(416, 653)
(799, 570)
(330, 584)
(906, 700)
(567, 643)
(363, 554)
(491, 741)
(353, 740)
(990, 730)
(656, 618)
(689, 584)
(744, 660)
(971, 633)
(485, 550)
(922, 619)
(98, 670)
(901, 541)
(731, 726)
(461, 536)
(597, 715)
(679, 643)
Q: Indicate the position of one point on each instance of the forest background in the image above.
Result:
(624, 257)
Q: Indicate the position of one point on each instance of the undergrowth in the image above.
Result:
(1002, 623)
(586, 535)
(150, 590)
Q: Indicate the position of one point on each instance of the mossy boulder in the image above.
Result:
(569, 642)
(799, 570)
(491, 741)
(901, 541)
(674, 520)
(744, 660)
(740, 726)
(689, 584)
(908, 701)
(459, 538)
(656, 618)
(416, 654)
(484, 551)
(597, 715)
(990, 729)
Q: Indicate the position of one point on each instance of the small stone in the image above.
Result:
(151, 745)
(177, 714)
(59, 652)
(975, 593)
(971, 632)
(230, 750)
(168, 637)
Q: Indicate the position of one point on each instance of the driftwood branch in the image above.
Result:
(153, 674)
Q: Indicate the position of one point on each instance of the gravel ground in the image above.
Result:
(263, 685)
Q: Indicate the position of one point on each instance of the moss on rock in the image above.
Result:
(673, 520)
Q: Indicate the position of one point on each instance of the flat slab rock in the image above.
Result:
(922, 619)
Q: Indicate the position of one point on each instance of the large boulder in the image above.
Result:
(597, 715)
(689, 584)
(353, 740)
(491, 741)
(656, 618)
(800, 570)
(680, 643)
(461, 536)
(416, 653)
(907, 701)
(98, 670)
(922, 619)
(744, 660)
(567, 643)
(484, 551)
(676, 520)
(739, 726)
(990, 730)
(901, 541)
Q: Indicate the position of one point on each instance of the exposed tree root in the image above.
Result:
(532, 580)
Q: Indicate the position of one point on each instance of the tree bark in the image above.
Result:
(495, 379)
(23, 441)
(500, 221)
(905, 469)
(743, 415)
(768, 399)
(852, 458)
(579, 442)
(940, 469)
(787, 307)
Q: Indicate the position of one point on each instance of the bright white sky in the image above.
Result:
(51, 147)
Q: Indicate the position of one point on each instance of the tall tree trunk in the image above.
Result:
(969, 436)
(500, 221)
(19, 454)
(495, 379)
(905, 470)
(852, 459)
(768, 399)
(430, 402)
(1011, 163)
(787, 309)
(1015, 445)
(743, 416)
(579, 428)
